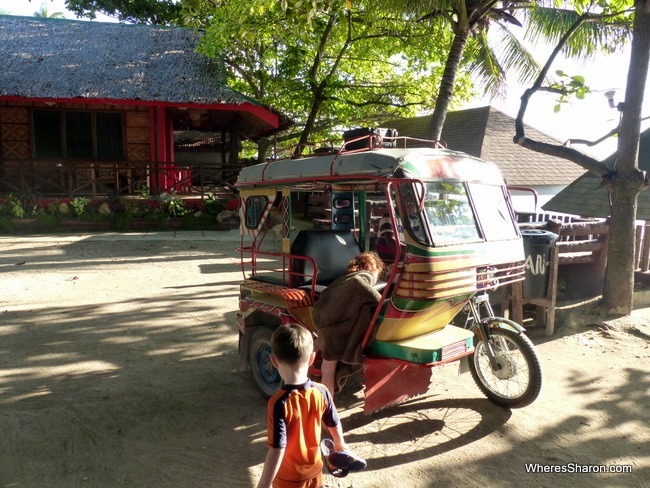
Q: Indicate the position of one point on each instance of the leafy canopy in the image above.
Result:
(162, 12)
(348, 65)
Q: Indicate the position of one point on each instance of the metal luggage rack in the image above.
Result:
(373, 139)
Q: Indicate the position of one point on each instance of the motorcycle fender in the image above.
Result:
(463, 365)
(502, 323)
(243, 347)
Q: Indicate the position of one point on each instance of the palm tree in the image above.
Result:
(489, 58)
(43, 12)
(469, 21)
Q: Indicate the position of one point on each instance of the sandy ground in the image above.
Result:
(118, 368)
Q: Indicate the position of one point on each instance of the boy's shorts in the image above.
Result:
(314, 482)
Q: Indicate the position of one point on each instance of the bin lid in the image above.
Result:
(539, 235)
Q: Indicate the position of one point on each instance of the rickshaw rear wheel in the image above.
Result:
(266, 377)
(518, 379)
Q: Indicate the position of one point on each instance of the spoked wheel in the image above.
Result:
(264, 373)
(517, 380)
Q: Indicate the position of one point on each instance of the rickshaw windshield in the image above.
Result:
(449, 213)
(493, 212)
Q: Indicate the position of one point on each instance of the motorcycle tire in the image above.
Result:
(518, 380)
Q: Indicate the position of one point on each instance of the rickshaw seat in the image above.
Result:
(331, 250)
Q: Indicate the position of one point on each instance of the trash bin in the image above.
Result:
(537, 251)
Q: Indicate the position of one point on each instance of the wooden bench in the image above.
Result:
(579, 257)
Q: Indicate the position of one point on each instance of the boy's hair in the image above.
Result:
(292, 344)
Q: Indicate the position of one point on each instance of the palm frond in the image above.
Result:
(516, 57)
(503, 54)
(484, 65)
(548, 25)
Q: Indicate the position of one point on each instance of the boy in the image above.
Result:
(295, 415)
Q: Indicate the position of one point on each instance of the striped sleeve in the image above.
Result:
(330, 415)
(277, 422)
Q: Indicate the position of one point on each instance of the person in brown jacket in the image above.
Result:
(343, 313)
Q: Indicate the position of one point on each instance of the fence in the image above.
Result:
(91, 178)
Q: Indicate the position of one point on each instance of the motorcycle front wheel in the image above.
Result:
(517, 380)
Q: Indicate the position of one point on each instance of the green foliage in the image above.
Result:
(44, 12)
(47, 221)
(79, 205)
(213, 205)
(162, 12)
(115, 212)
(322, 64)
(158, 217)
(605, 27)
(12, 207)
(176, 207)
(329, 64)
(569, 86)
(122, 221)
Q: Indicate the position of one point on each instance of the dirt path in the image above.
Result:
(118, 359)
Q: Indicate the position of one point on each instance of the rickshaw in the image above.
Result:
(461, 245)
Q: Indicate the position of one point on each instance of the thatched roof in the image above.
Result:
(58, 59)
(486, 132)
(54, 58)
(587, 197)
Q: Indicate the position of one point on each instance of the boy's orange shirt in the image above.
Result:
(295, 417)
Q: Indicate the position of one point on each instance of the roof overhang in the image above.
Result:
(250, 119)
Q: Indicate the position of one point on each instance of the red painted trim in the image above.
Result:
(258, 111)
(161, 134)
(261, 113)
(152, 134)
(169, 138)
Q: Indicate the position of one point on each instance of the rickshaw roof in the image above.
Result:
(422, 163)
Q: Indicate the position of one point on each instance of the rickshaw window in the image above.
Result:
(493, 211)
(449, 213)
(413, 220)
(255, 207)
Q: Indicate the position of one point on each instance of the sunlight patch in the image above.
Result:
(72, 369)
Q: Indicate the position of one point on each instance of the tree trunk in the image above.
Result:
(629, 182)
(447, 85)
(263, 148)
(310, 122)
(619, 278)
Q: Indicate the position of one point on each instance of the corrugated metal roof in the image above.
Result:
(60, 58)
(487, 133)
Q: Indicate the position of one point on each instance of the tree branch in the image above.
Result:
(375, 102)
(586, 142)
(320, 52)
(570, 154)
(245, 75)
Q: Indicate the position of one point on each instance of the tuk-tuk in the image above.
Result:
(460, 242)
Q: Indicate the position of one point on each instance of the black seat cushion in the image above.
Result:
(332, 250)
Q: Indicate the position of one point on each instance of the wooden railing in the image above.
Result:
(541, 216)
(92, 178)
